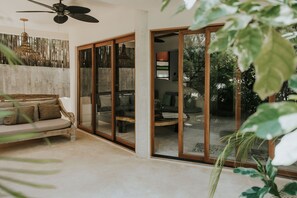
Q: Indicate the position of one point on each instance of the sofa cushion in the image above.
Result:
(47, 111)
(2, 110)
(12, 118)
(40, 126)
(34, 104)
(25, 114)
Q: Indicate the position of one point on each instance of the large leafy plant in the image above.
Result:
(267, 175)
(262, 35)
(4, 189)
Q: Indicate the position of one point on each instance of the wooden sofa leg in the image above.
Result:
(73, 134)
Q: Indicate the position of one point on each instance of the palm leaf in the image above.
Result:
(12, 192)
(10, 55)
(31, 172)
(243, 143)
(30, 160)
(26, 183)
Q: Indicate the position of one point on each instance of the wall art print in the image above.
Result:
(52, 52)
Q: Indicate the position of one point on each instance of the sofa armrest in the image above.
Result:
(67, 114)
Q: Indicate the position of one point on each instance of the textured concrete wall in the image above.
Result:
(34, 80)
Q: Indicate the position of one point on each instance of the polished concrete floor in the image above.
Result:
(94, 168)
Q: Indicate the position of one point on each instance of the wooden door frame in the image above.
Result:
(126, 38)
(78, 49)
(152, 84)
(112, 41)
(102, 44)
(206, 158)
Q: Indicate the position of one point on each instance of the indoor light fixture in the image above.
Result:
(25, 52)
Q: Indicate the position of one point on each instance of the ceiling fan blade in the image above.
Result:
(35, 11)
(42, 4)
(77, 9)
(84, 17)
(60, 19)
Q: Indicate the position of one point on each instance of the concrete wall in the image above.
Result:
(34, 80)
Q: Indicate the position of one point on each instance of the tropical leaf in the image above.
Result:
(12, 192)
(210, 11)
(272, 120)
(26, 183)
(180, 9)
(274, 15)
(13, 138)
(251, 193)
(290, 188)
(29, 160)
(292, 83)
(247, 46)
(222, 41)
(292, 97)
(286, 150)
(243, 142)
(10, 55)
(271, 171)
(247, 171)
(275, 64)
(164, 4)
(32, 172)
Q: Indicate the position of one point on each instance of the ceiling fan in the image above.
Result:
(63, 11)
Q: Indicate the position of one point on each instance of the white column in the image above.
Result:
(142, 84)
(73, 74)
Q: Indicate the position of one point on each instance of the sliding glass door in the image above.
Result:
(125, 91)
(200, 100)
(85, 88)
(103, 84)
(106, 89)
(192, 96)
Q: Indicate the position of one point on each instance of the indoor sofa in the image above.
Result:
(34, 116)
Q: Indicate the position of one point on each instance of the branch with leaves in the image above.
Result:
(262, 34)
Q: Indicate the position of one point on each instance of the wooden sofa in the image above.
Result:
(49, 118)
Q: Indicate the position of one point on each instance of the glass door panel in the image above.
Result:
(103, 97)
(193, 93)
(85, 89)
(166, 94)
(222, 102)
(125, 93)
(249, 103)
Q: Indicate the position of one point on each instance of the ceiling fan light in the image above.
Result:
(60, 19)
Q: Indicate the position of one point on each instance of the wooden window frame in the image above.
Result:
(206, 158)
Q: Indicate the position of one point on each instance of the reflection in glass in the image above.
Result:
(193, 93)
(103, 90)
(85, 95)
(166, 95)
(125, 91)
(249, 103)
(222, 99)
